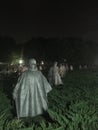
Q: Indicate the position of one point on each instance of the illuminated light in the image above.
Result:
(42, 62)
(11, 63)
(21, 61)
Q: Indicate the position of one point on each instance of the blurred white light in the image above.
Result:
(42, 62)
(21, 61)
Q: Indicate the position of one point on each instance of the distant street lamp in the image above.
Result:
(21, 61)
(42, 63)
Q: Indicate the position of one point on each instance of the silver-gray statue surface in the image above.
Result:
(30, 92)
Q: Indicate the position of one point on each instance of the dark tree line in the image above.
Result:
(76, 51)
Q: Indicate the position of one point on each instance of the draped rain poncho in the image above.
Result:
(30, 93)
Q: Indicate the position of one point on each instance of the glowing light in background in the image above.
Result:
(42, 62)
(21, 61)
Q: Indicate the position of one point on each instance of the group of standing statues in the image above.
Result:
(56, 73)
(32, 87)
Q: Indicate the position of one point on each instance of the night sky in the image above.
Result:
(24, 19)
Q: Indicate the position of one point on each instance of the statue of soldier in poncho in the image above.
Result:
(54, 76)
(30, 92)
